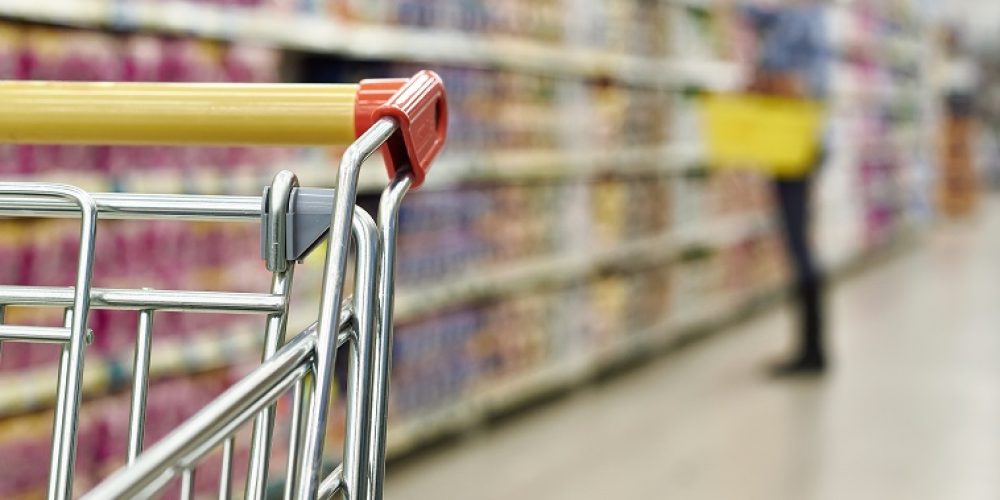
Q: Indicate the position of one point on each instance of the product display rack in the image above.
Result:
(311, 33)
(879, 179)
(644, 217)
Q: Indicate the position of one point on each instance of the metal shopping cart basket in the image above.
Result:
(406, 118)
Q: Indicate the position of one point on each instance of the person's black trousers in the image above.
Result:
(792, 197)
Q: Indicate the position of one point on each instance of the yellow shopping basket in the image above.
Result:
(778, 135)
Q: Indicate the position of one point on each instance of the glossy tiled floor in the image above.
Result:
(910, 411)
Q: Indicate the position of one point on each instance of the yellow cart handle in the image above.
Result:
(176, 113)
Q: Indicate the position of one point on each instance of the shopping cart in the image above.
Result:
(407, 118)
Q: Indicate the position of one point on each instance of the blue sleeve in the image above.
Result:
(761, 18)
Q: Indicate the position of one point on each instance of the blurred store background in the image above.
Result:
(573, 225)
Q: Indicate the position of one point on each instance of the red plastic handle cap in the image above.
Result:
(419, 106)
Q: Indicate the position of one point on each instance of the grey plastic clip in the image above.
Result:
(307, 220)
(276, 203)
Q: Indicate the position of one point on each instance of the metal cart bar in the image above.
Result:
(140, 384)
(388, 221)
(359, 355)
(140, 206)
(332, 484)
(161, 300)
(42, 334)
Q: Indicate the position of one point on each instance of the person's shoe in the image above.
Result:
(806, 366)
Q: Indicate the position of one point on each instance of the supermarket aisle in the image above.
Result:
(911, 410)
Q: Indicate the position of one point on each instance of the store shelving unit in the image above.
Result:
(315, 33)
(882, 158)
(556, 270)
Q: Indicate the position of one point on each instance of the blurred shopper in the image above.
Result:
(791, 61)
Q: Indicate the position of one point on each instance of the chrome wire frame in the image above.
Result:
(304, 364)
(285, 369)
(56, 200)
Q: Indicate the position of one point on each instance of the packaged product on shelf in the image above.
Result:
(648, 303)
(569, 210)
(689, 201)
(141, 56)
(367, 11)
(586, 23)
(441, 233)
(647, 207)
(433, 360)
(648, 29)
(646, 121)
(608, 210)
(610, 103)
(738, 191)
(567, 325)
(607, 303)
(688, 284)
